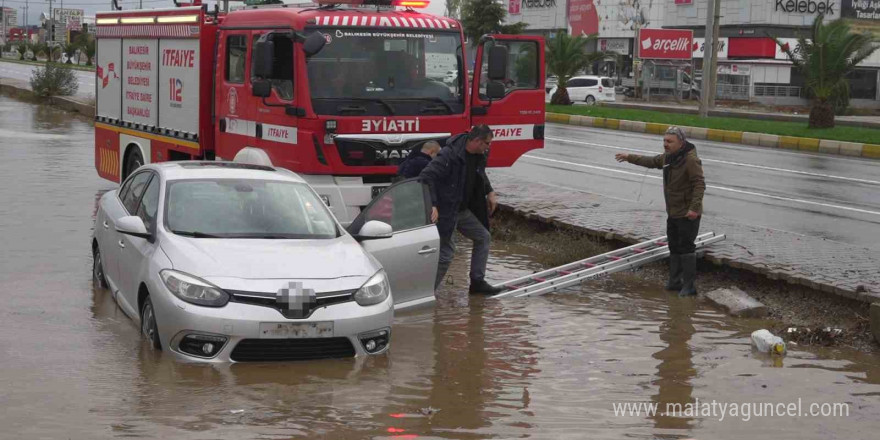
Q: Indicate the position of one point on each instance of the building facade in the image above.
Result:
(8, 20)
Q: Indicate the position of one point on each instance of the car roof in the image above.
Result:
(589, 77)
(196, 169)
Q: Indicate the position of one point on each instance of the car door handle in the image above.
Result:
(121, 244)
(427, 250)
(106, 225)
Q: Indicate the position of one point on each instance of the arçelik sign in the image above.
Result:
(665, 44)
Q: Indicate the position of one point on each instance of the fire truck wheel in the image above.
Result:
(133, 162)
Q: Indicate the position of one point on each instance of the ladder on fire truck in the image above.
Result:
(567, 275)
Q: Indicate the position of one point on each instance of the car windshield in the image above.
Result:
(372, 72)
(235, 208)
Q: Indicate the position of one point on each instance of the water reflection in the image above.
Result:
(676, 369)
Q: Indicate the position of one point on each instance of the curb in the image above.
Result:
(812, 145)
(17, 89)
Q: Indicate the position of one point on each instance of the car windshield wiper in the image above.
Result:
(428, 98)
(196, 234)
(379, 100)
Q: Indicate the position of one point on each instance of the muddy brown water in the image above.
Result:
(72, 364)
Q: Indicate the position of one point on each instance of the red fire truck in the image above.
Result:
(338, 92)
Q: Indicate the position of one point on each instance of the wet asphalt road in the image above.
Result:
(825, 196)
(73, 365)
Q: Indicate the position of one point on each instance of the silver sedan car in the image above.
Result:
(220, 261)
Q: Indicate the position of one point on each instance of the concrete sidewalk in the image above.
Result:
(826, 265)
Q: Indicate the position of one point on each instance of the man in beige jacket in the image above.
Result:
(683, 188)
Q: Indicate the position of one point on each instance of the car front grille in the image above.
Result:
(267, 299)
(266, 350)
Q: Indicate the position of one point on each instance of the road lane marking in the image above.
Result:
(726, 162)
(721, 188)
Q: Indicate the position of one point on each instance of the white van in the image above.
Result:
(588, 89)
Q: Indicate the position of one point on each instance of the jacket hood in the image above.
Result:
(268, 259)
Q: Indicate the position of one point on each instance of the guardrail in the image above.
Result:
(778, 91)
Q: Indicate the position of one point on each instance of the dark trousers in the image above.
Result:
(681, 233)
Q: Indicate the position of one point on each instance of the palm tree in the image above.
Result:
(41, 49)
(825, 60)
(566, 55)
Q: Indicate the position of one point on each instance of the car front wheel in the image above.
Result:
(590, 100)
(148, 324)
(98, 278)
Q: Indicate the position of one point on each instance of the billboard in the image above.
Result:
(66, 19)
(665, 44)
(582, 17)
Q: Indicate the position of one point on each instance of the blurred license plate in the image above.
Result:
(286, 330)
(377, 190)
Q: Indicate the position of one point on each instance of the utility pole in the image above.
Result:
(637, 63)
(716, 33)
(709, 54)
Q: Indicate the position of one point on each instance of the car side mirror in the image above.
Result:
(132, 225)
(261, 88)
(495, 90)
(263, 54)
(497, 63)
(374, 230)
(313, 44)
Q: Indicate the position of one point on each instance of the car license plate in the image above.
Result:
(288, 330)
(377, 190)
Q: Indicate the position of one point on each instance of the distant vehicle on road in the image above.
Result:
(588, 89)
(221, 261)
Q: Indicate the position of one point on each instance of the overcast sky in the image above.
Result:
(35, 7)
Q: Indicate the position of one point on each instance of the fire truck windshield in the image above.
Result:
(387, 72)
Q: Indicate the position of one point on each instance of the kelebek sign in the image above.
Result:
(665, 44)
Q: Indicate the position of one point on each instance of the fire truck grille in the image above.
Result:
(373, 153)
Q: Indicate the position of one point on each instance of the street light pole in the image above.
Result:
(637, 63)
(709, 53)
(716, 33)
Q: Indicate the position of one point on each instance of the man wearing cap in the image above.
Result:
(683, 188)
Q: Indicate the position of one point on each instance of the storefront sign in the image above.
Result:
(826, 7)
(665, 44)
(860, 9)
(616, 45)
(700, 47)
(582, 17)
(532, 4)
(734, 69)
(513, 7)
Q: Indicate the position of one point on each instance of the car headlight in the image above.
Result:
(193, 290)
(374, 291)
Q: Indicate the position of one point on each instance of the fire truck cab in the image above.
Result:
(339, 93)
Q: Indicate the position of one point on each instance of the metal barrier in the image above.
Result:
(732, 91)
(778, 91)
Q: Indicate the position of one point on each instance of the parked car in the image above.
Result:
(588, 89)
(550, 83)
(220, 261)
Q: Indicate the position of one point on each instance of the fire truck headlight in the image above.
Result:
(330, 126)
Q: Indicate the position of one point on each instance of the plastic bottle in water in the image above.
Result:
(766, 342)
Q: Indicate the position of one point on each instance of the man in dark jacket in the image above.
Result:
(683, 188)
(417, 160)
(463, 199)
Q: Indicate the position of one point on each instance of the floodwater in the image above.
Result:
(72, 364)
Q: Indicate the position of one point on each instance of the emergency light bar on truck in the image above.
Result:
(339, 94)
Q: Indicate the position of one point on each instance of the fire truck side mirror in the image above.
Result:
(495, 90)
(314, 43)
(263, 53)
(261, 88)
(497, 63)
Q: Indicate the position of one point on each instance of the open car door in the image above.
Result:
(411, 254)
(508, 95)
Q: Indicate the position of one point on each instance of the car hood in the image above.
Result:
(268, 259)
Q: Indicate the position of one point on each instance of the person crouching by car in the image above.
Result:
(463, 199)
(418, 159)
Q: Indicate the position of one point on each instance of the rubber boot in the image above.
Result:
(688, 275)
(674, 282)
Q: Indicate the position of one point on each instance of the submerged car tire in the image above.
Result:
(148, 324)
(590, 100)
(98, 277)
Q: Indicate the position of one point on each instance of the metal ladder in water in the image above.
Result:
(590, 268)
